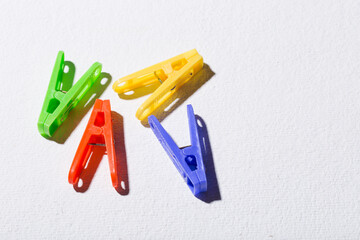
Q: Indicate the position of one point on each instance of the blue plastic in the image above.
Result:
(188, 160)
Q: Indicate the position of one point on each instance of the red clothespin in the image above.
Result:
(98, 132)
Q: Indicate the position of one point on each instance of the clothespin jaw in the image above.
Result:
(172, 74)
(57, 103)
(98, 131)
(187, 160)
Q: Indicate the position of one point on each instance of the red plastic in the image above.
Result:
(98, 131)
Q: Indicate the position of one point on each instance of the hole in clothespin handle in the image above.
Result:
(171, 104)
(80, 183)
(123, 185)
(199, 123)
(104, 81)
(129, 92)
(121, 84)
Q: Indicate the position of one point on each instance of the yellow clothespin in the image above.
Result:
(172, 74)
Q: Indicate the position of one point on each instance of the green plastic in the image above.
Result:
(58, 103)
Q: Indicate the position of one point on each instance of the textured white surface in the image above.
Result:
(282, 113)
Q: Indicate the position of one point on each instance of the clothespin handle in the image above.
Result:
(167, 142)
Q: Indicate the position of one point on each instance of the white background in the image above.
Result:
(282, 112)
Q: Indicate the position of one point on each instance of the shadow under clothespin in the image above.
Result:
(139, 92)
(77, 113)
(119, 139)
(213, 190)
(68, 76)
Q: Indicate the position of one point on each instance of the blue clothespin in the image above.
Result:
(187, 160)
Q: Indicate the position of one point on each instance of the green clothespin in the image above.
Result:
(58, 103)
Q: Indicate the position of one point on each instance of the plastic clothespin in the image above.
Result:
(58, 103)
(187, 160)
(98, 132)
(172, 74)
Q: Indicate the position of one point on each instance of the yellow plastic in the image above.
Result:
(172, 74)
